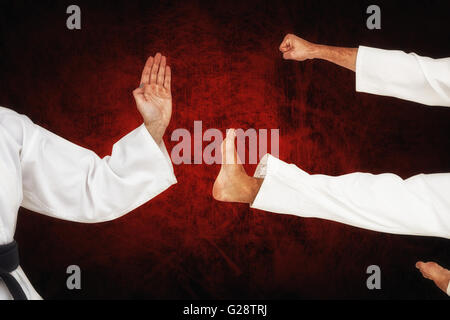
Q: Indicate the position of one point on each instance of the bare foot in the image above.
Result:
(233, 184)
(435, 272)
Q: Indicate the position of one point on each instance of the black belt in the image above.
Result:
(9, 261)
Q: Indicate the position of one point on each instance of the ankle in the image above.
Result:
(252, 187)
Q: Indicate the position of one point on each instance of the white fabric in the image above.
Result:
(47, 174)
(405, 76)
(419, 205)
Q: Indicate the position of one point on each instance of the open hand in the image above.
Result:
(153, 97)
(433, 271)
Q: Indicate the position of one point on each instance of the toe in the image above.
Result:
(228, 149)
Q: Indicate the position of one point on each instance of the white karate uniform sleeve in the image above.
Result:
(65, 181)
(416, 206)
(405, 76)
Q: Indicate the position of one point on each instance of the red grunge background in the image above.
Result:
(227, 72)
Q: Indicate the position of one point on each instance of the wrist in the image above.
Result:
(156, 131)
(254, 185)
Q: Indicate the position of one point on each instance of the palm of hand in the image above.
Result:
(155, 103)
(153, 97)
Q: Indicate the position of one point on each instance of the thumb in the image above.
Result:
(138, 94)
(284, 46)
(288, 55)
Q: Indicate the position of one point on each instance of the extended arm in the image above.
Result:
(66, 181)
(295, 48)
(383, 72)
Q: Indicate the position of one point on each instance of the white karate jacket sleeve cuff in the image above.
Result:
(448, 289)
(405, 76)
(66, 181)
(419, 205)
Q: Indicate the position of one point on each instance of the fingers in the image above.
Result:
(422, 266)
(155, 68)
(145, 77)
(161, 72)
(419, 264)
(156, 71)
(438, 274)
(287, 47)
(429, 270)
(286, 44)
(288, 55)
(167, 78)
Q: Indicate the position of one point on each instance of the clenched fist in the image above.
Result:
(296, 48)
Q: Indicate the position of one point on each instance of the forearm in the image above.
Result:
(344, 57)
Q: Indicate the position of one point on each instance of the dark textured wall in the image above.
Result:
(227, 71)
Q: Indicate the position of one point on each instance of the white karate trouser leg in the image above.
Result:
(419, 205)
